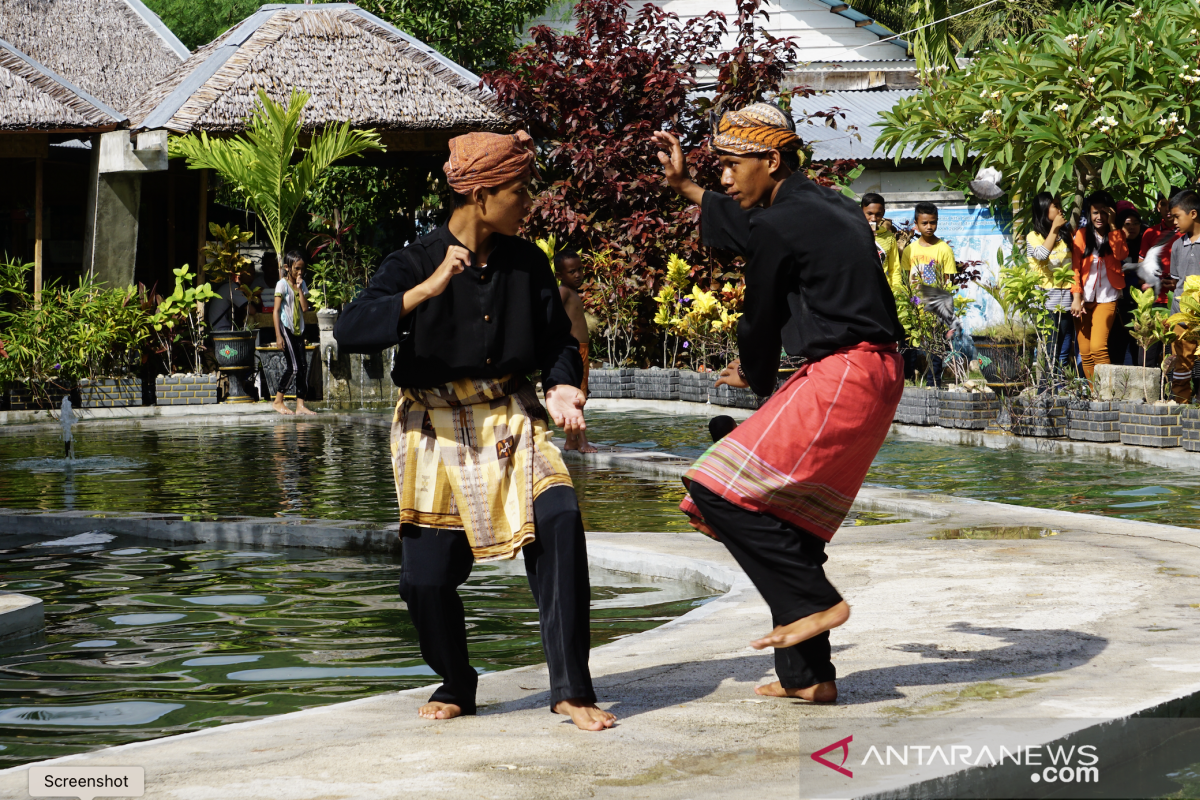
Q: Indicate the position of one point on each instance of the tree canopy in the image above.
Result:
(1105, 96)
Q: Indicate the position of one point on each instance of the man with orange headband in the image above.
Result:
(776, 489)
(475, 311)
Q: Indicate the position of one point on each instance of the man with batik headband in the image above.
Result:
(475, 311)
(776, 489)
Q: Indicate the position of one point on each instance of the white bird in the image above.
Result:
(1150, 270)
(986, 185)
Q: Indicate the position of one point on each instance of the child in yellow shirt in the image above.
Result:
(927, 259)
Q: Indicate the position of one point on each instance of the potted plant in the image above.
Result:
(231, 273)
(176, 322)
(1147, 420)
(971, 405)
(109, 330)
(918, 406)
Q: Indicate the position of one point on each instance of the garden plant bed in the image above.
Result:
(1094, 420)
(185, 390)
(110, 392)
(918, 406)
(696, 387)
(960, 408)
(1150, 424)
(735, 398)
(22, 397)
(611, 384)
(656, 384)
(1189, 420)
(1042, 415)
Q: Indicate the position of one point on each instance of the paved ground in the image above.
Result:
(1004, 642)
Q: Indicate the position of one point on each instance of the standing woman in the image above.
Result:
(1096, 256)
(291, 301)
(1120, 342)
(1048, 250)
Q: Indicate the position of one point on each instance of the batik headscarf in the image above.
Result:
(754, 130)
(488, 159)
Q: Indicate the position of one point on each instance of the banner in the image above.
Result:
(974, 234)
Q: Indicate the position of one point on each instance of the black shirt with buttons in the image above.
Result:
(505, 318)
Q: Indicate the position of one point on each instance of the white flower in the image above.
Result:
(996, 95)
(1091, 81)
(1192, 78)
(1062, 107)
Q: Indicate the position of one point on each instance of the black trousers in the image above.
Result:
(295, 357)
(436, 562)
(785, 564)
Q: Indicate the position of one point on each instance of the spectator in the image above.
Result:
(291, 301)
(1185, 261)
(927, 260)
(874, 207)
(1047, 248)
(1096, 255)
(1122, 349)
(569, 270)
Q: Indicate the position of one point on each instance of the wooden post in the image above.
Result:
(37, 230)
(171, 220)
(201, 236)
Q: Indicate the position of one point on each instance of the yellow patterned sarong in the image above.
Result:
(472, 455)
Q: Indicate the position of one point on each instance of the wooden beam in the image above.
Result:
(171, 220)
(201, 235)
(839, 8)
(37, 230)
(862, 23)
(24, 145)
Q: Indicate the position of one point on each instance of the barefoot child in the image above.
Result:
(291, 301)
(569, 269)
(776, 488)
(474, 310)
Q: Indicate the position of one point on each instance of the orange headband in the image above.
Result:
(488, 159)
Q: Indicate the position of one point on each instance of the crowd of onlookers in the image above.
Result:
(1113, 249)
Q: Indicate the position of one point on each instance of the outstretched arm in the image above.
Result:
(679, 178)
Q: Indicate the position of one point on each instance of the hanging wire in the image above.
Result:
(923, 27)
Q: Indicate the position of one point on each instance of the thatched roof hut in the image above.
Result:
(356, 67)
(115, 50)
(32, 98)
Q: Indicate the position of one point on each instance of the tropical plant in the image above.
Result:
(341, 267)
(1188, 316)
(224, 259)
(1103, 96)
(77, 331)
(613, 297)
(704, 322)
(259, 163)
(597, 94)
(176, 319)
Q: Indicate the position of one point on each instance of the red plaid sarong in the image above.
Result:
(802, 457)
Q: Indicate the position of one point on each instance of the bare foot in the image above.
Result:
(817, 693)
(584, 445)
(303, 409)
(585, 715)
(805, 628)
(281, 408)
(435, 710)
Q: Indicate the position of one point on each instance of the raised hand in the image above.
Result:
(456, 260)
(675, 169)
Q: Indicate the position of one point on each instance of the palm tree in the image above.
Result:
(259, 163)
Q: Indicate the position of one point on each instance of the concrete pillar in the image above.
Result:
(114, 194)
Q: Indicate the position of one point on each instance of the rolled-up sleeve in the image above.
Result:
(759, 339)
(372, 322)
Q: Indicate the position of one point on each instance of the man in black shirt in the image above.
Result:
(776, 489)
(474, 311)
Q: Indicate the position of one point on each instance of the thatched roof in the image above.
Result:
(34, 98)
(115, 50)
(356, 67)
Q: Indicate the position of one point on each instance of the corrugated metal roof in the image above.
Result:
(862, 109)
(872, 26)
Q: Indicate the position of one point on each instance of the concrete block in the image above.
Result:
(1118, 382)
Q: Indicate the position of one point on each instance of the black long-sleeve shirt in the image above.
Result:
(505, 318)
(813, 280)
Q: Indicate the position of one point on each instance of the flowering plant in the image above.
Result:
(705, 318)
(1091, 100)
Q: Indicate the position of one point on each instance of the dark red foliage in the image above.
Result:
(594, 97)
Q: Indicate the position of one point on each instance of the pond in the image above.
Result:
(145, 641)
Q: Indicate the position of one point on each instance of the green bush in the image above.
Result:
(75, 332)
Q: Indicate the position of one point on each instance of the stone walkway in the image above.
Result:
(1011, 642)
